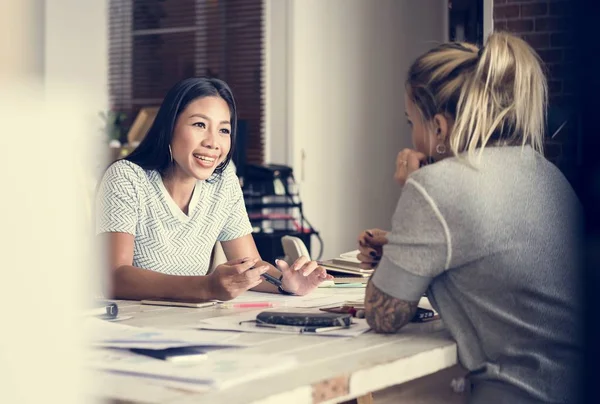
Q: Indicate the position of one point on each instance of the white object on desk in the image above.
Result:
(293, 248)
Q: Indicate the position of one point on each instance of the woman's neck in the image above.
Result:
(179, 186)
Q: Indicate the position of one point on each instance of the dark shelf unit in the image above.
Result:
(273, 226)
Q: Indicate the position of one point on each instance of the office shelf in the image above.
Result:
(273, 217)
(272, 205)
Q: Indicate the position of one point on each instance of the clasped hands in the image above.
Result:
(232, 278)
(370, 247)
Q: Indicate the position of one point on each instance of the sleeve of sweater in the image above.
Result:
(419, 246)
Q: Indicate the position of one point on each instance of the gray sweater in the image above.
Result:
(496, 249)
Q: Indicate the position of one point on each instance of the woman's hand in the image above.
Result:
(370, 245)
(233, 278)
(302, 277)
(408, 160)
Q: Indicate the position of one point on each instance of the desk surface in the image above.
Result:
(329, 370)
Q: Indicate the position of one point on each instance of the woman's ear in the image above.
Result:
(442, 127)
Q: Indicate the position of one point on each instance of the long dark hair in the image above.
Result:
(153, 152)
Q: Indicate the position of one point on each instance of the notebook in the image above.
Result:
(336, 268)
(177, 354)
(346, 263)
(350, 279)
(347, 259)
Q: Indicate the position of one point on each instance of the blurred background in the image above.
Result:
(319, 86)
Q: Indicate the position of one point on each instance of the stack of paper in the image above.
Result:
(115, 346)
(346, 263)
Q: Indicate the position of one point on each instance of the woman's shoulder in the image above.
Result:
(126, 171)
(497, 167)
(125, 168)
(491, 159)
(225, 181)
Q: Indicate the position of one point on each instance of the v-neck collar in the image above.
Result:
(173, 207)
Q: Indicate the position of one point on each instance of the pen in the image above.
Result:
(326, 329)
(271, 279)
(247, 305)
(300, 329)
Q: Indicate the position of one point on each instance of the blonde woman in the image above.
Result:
(489, 229)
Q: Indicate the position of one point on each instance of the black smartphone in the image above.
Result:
(305, 319)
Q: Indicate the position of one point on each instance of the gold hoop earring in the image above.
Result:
(440, 148)
(171, 154)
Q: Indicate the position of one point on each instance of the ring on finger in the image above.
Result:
(403, 162)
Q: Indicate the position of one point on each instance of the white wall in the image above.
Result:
(276, 73)
(488, 18)
(342, 104)
(76, 46)
(76, 58)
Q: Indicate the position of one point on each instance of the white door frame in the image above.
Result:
(276, 81)
(488, 18)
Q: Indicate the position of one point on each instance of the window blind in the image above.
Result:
(155, 43)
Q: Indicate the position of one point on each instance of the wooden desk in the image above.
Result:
(330, 369)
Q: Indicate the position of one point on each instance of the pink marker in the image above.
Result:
(247, 305)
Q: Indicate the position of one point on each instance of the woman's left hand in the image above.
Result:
(302, 277)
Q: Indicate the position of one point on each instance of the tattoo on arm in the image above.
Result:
(386, 314)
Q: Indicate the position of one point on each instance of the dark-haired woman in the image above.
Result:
(161, 209)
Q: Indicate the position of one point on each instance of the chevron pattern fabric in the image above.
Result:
(135, 201)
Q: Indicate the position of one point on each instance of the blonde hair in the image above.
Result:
(496, 94)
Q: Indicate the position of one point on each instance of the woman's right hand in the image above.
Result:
(233, 278)
(407, 161)
(370, 245)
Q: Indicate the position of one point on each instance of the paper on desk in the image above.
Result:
(243, 322)
(113, 335)
(220, 370)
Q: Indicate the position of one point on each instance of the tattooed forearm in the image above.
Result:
(384, 313)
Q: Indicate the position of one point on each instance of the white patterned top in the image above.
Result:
(135, 201)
